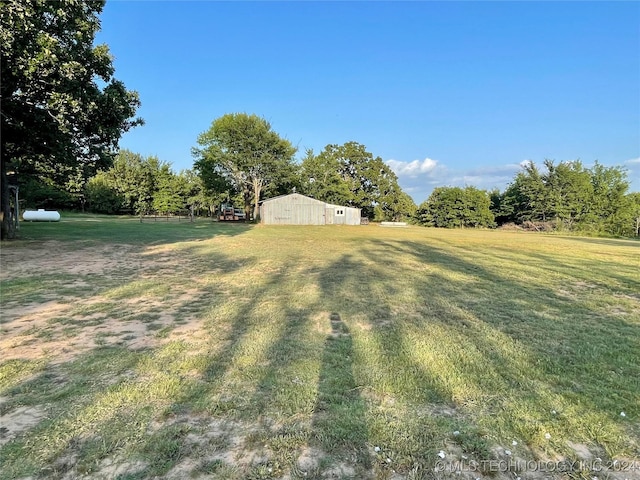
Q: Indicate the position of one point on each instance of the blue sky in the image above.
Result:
(451, 93)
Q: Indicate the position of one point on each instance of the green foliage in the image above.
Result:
(609, 205)
(526, 197)
(39, 192)
(167, 198)
(195, 195)
(240, 153)
(322, 178)
(102, 196)
(634, 211)
(570, 196)
(57, 119)
(134, 178)
(349, 175)
(396, 206)
(451, 207)
(625, 221)
(497, 204)
(141, 185)
(567, 186)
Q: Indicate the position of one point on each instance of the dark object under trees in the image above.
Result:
(54, 113)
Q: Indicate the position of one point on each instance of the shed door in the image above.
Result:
(328, 216)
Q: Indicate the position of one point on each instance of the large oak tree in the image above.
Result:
(62, 109)
(242, 152)
(350, 175)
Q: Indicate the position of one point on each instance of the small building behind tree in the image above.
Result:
(297, 209)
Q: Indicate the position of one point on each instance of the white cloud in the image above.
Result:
(412, 169)
(419, 178)
(483, 177)
(633, 171)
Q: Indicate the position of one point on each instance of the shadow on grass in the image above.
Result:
(348, 367)
(612, 242)
(626, 277)
(105, 399)
(549, 349)
(339, 418)
(379, 395)
(126, 230)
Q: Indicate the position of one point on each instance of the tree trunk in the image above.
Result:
(246, 195)
(7, 230)
(257, 189)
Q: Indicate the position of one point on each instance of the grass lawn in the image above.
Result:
(202, 350)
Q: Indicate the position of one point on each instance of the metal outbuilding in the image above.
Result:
(297, 209)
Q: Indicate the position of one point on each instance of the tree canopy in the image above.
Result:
(241, 153)
(62, 109)
(135, 184)
(569, 196)
(321, 178)
(451, 207)
(350, 175)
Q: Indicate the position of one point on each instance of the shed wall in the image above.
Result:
(352, 216)
(296, 209)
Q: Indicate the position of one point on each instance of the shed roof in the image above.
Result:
(296, 196)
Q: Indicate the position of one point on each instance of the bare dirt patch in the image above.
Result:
(109, 468)
(309, 460)
(19, 420)
(340, 470)
(54, 257)
(581, 450)
(211, 441)
(584, 285)
(61, 327)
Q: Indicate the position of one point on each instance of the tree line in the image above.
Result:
(139, 185)
(241, 160)
(63, 113)
(565, 196)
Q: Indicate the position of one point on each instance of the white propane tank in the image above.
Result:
(41, 215)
